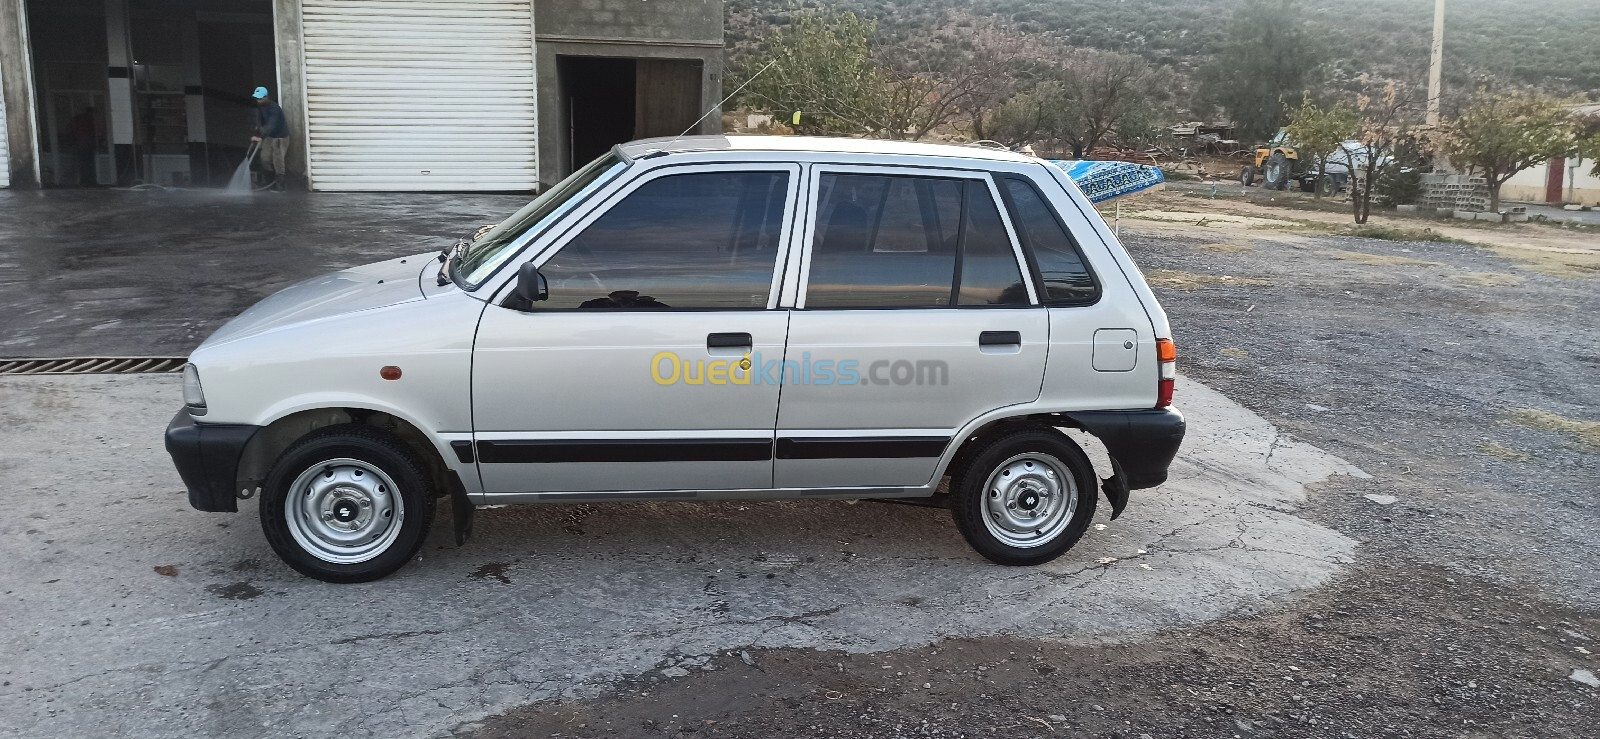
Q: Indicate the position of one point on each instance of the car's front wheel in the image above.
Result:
(1025, 497)
(347, 504)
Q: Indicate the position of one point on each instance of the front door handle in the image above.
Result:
(1000, 338)
(728, 341)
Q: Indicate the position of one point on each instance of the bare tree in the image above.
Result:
(1086, 98)
(1106, 88)
(925, 94)
(1003, 58)
(1384, 125)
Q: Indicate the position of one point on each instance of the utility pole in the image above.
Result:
(1436, 71)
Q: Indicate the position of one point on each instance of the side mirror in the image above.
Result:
(531, 285)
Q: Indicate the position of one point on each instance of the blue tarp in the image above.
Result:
(1102, 181)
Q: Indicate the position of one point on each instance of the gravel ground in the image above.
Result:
(1445, 371)
(1469, 659)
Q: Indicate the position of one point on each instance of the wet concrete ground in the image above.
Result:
(110, 272)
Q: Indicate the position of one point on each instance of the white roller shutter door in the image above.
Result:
(421, 94)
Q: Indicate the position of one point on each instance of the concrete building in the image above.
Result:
(1558, 181)
(446, 95)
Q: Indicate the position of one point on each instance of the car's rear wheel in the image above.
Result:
(347, 504)
(1025, 497)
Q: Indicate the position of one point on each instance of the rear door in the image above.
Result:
(628, 377)
(912, 318)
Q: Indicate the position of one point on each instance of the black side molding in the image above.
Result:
(546, 451)
(207, 457)
(861, 447)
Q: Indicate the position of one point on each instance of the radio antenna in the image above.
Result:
(718, 106)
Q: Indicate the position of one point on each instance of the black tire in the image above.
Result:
(1247, 175)
(1276, 172)
(374, 455)
(1328, 184)
(1308, 183)
(971, 495)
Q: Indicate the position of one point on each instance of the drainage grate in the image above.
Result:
(91, 365)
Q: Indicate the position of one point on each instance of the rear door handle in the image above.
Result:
(1000, 338)
(728, 341)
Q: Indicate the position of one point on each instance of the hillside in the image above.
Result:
(1549, 43)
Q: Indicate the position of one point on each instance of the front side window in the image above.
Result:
(706, 240)
(894, 241)
(1063, 275)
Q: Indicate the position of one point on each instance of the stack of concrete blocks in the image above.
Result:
(1466, 195)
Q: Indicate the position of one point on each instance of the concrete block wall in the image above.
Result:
(637, 29)
(676, 21)
(1455, 192)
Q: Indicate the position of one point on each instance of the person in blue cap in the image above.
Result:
(272, 130)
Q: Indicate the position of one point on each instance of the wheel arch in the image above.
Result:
(276, 436)
(1138, 445)
(985, 426)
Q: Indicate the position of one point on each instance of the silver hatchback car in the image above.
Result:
(705, 318)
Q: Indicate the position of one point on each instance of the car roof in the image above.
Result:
(816, 145)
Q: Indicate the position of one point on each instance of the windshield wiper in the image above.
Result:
(445, 255)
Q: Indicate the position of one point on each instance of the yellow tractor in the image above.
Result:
(1276, 165)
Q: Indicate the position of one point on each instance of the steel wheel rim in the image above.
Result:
(1028, 500)
(344, 511)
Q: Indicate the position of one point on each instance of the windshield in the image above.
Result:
(482, 257)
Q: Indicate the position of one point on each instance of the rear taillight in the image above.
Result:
(1167, 356)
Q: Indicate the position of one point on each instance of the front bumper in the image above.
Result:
(1142, 443)
(207, 457)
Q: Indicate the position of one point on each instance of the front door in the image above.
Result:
(912, 319)
(628, 377)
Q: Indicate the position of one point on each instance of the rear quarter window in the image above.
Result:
(1062, 274)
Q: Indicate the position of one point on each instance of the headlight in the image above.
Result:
(193, 396)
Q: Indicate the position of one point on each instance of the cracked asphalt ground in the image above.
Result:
(1260, 593)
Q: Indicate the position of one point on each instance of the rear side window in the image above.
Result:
(989, 272)
(884, 242)
(1064, 277)
(891, 241)
(688, 241)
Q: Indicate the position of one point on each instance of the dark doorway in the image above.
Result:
(610, 101)
(600, 98)
(156, 92)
